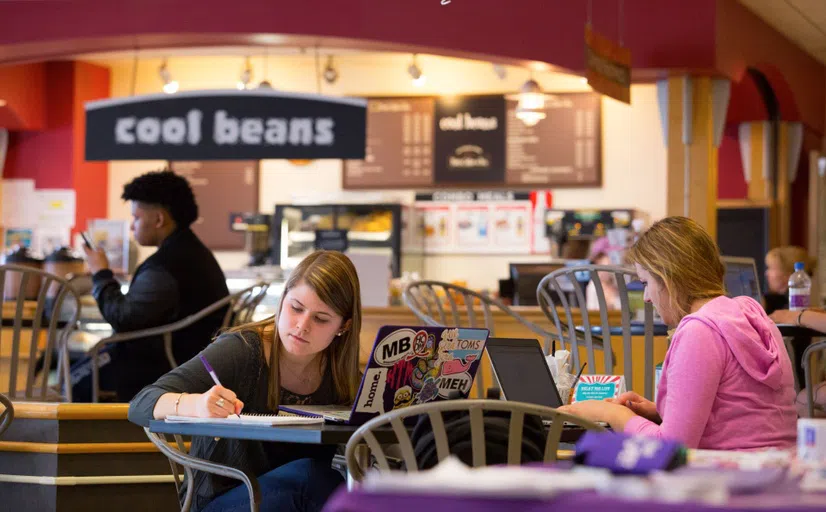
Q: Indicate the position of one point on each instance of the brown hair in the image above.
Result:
(332, 276)
(681, 255)
(788, 255)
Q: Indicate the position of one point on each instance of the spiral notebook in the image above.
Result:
(249, 419)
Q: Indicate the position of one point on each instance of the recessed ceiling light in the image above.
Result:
(2, 103)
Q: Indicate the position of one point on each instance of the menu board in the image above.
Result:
(399, 150)
(470, 140)
(221, 187)
(477, 141)
(466, 222)
(562, 149)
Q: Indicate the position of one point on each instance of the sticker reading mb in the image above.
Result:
(395, 347)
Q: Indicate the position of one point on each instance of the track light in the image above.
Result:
(330, 72)
(500, 71)
(416, 73)
(246, 76)
(169, 86)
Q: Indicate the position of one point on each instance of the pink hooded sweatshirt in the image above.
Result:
(727, 382)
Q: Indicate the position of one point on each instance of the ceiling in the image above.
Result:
(802, 21)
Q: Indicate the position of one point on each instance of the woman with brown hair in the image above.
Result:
(306, 354)
(727, 382)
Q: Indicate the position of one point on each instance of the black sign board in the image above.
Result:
(331, 240)
(469, 140)
(466, 196)
(225, 125)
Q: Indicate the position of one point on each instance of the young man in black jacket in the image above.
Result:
(181, 278)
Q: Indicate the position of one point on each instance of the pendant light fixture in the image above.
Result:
(530, 108)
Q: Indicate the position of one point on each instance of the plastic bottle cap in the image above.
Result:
(799, 266)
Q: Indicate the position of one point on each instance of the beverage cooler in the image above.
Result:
(298, 230)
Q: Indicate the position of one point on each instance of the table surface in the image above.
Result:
(322, 433)
(783, 496)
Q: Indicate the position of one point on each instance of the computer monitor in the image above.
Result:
(526, 278)
(741, 277)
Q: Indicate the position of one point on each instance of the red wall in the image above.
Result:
(744, 40)
(54, 156)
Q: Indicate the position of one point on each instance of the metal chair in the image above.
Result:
(177, 455)
(808, 356)
(597, 337)
(240, 308)
(7, 416)
(476, 408)
(424, 298)
(50, 324)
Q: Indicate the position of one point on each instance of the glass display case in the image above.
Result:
(369, 228)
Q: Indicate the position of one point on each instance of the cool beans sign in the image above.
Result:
(226, 125)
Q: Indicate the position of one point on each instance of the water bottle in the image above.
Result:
(800, 288)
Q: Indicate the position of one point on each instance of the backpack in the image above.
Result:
(497, 426)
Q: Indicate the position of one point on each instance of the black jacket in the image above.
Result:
(180, 279)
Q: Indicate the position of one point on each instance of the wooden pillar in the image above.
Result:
(693, 111)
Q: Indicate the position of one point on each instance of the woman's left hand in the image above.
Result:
(615, 415)
(784, 316)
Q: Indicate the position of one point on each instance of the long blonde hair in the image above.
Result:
(681, 255)
(332, 276)
(788, 255)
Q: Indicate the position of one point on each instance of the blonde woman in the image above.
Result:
(306, 354)
(779, 267)
(727, 381)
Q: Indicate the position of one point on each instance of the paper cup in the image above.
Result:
(811, 441)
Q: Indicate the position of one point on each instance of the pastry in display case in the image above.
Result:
(373, 228)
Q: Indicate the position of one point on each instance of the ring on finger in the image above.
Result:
(219, 402)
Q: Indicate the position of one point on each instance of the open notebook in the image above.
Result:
(249, 419)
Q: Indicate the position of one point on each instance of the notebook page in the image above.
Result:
(249, 419)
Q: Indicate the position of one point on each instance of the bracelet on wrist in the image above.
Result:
(800, 317)
(177, 402)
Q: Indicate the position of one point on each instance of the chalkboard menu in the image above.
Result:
(470, 140)
(477, 141)
(399, 149)
(562, 149)
(220, 187)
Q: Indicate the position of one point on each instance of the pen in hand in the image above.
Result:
(212, 374)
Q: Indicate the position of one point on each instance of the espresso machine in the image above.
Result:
(256, 229)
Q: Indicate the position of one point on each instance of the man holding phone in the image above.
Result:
(181, 278)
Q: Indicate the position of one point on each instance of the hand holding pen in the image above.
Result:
(218, 402)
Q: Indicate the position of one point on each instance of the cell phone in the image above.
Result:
(87, 240)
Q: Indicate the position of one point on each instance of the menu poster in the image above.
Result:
(399, 150)
(437, 227)
(464, 222)
(561, 150)
(469, 140)
(221, 188)
(511, 225)
(472, 225)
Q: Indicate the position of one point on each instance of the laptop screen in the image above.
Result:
(523, 374)
(741, 278)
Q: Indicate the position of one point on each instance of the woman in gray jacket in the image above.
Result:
(306, 354)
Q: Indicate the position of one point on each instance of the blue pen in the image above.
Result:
(212, 374)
